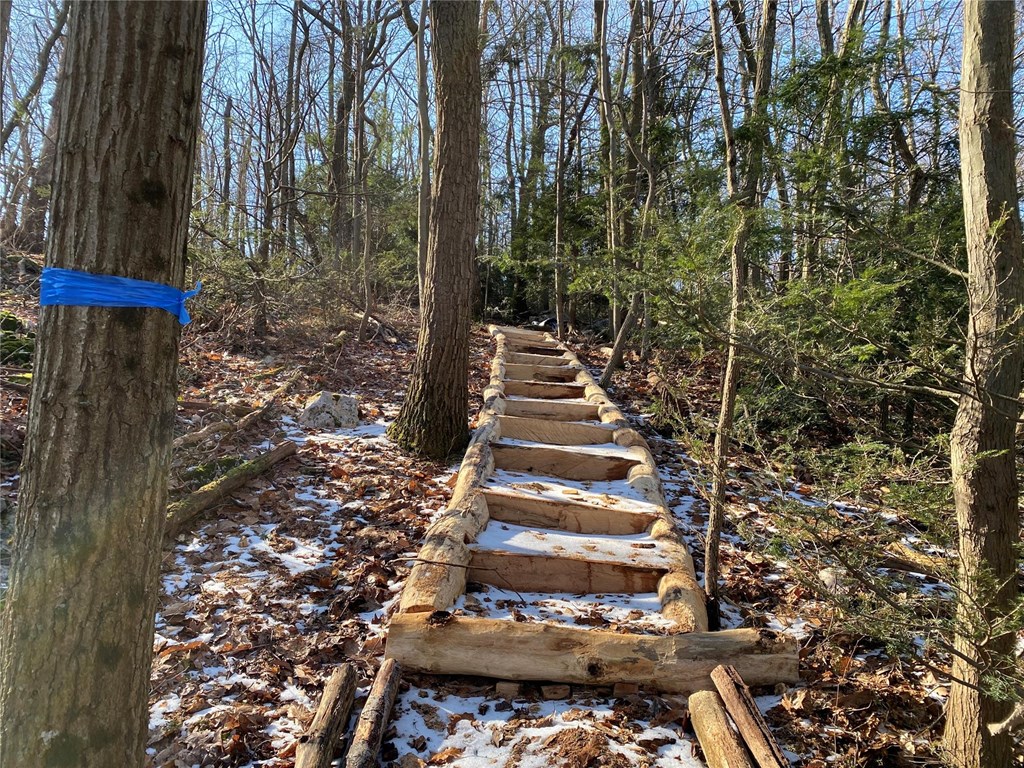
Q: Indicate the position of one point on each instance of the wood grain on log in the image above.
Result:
(721, 744)
(318, 745)
(442, 643)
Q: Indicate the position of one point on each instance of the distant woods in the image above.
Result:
(611, 197)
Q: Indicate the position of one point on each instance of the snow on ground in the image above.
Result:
(477, 731)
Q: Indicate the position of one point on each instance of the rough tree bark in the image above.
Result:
(77, 628)
(433, 418)
(982, 446)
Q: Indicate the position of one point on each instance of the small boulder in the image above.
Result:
(329, 410)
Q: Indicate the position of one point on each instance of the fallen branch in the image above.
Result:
(180, 512)
(222, 427)
(373, 720)
(749, 722)
(318, 744)
(206, 405)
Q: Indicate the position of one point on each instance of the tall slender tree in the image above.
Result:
(985, 486)
(77, 626)
(433, 419)
(742, 186)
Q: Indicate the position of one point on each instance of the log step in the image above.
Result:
(578, 462)
(543, 560)
(551, 409)
(536, 509)
(524, 358)
(526, 372)
(555, 432)
(441, 643)
(543, 389)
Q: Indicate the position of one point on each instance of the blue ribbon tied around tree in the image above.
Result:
(70, 287)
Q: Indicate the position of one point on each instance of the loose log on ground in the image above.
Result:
(373, 720)
(222, 427)
(442, 643)
(318, 745)
(751, 725)
(721, 745)
(181, 512)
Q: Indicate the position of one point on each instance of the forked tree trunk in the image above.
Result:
(433, 419)
(982, 446)
(77, 628)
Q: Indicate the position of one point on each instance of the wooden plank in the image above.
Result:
(550, 573)
(552, 409)
(373, 720)
(543, 389)
(562, 461)
(441, 643)
(721, 745)
(749, 722)
(317, 746)
(554, 432)
(546, 360)
(524, 372)
(511, 506)
(543, 350)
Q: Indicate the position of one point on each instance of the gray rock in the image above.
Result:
(329, 410)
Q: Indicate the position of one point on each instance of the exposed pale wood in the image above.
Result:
(721, 745)
(446, 644)
(751, 725)
(555, 432)
(181, 512)
(902, 557)
(526, 572)
(542, 389)
(682, 601)
(373, 720)
(562, 461)
(526, 372)
(539, 349)
(555, 692)
(512, 506)
(439, 575)
(515, 332)
(318, 745)
(523, 358)
(552, 409)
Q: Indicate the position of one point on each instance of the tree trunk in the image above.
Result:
(418, 29)
(982, 445)
(433, 419)
(743, 193)
(77, 628)
(560, 183)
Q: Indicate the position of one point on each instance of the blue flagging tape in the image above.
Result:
(70, 287)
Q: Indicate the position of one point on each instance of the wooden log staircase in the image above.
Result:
(545, 415)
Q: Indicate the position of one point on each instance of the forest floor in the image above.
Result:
(300, 571)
